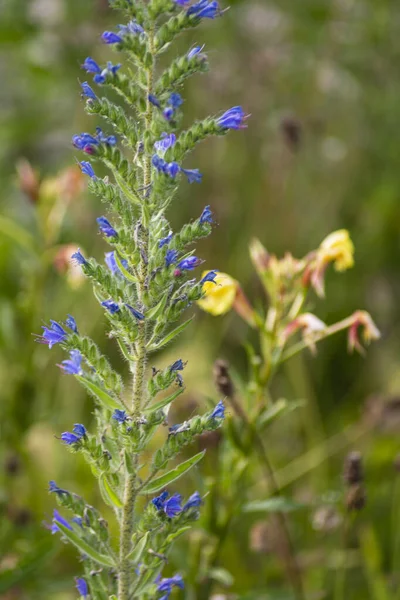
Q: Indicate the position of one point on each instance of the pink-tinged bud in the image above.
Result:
(243, 307)
(177, 273)
(310, 326)
(28, 180)
(369, 332)
(259, 256)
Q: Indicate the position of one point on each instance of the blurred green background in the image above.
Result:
(321, 81)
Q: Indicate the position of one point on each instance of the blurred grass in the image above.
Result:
(320, 79)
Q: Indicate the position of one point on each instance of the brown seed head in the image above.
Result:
(223, 379)
(353, 471)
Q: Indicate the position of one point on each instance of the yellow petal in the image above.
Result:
(219, 296)
(338, 248)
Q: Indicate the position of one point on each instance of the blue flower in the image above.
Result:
(69, 438)
(138, 315)
(154, 101)
(179, 427)
(112, 263)
(168, 113)
(165, 241)
(172, 169)
(86, 142)
(233, 118)
(110, 140)
(210, 276)
(178, 365)
(172, 506)
(120, 416)
(87, 91)
(159, 500)
(206, 216)
(193, 502)
(87, 169)
(111, 306)
(52, 335)
(188, 264)
(194, 52)
(71, 323)
(105, 227)
(53, 488)
(167, 584)
(181, 2)
(204, 9)
(171, 257)
(91, 66)
(175, 100)
(72, 366)
(193, 175)
(82, 587)
(78, 258)
(109, 37)
(219, 411)
(59, 520)
(101, 77)
(166, 141)
(133, 27)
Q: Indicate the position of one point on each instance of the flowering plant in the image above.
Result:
(144, 287)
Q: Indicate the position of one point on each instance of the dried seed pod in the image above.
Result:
(356, 497)
(353, 472)
(223, 379)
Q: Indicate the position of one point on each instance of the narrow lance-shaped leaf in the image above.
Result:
(124, 271)
(104, 398)
(165, 402)
(84, 547)
(109, 495)
(168, 338)
(161, 482)
(136, 555)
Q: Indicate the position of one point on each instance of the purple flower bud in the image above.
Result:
(210, 276)
(111, 306)
(87, 169)
(193, 502)
(188, 264)
(154, 101)
(165, 241)
(112, 263)
(53, 488)
(109, 37)
(219, 411)
(78, 258)
(166, 142)
(59, 520)
(206, 216)
(71, 323)
(105, 227)
(87, 91)
(204, 10)
(91, 66)
(178, 365)
(175, 100)
(172, 169)
(138, 315)
(194, 52)
(82, 587)
(234, 118)
(168, 583)
(171, 257)
(193, 175)
(168, 113)
(120, 416)
(158, 502)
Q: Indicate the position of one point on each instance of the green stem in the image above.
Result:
(131, 488)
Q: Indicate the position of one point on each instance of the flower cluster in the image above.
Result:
(145, 285)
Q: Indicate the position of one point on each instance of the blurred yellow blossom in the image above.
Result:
(222, 295)
(219, 296)
(338, 248)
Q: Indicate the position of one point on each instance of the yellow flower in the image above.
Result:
(219, 297)
(339, 249)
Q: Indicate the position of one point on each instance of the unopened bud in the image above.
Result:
(28, 180)
(356, 497)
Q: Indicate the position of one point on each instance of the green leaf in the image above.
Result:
(158, 308)
(222, 576)
(18, 234)
(159, 405)
(137, 553)
(173, 536)
(122, 184)
(104, 398)
(84, 547)
(124, 271)
(125, 351)
(161, 482)
(109, 495)
(278, 504)
(168, 338)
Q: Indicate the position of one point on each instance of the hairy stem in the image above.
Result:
(131, 488)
